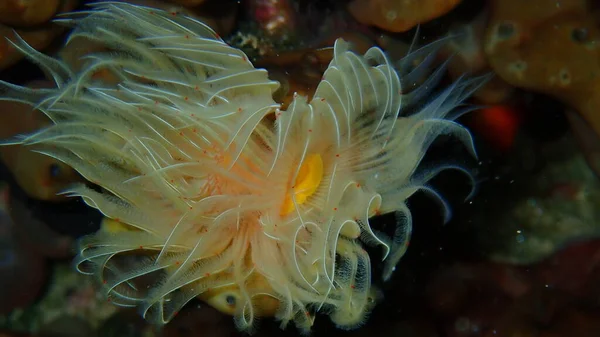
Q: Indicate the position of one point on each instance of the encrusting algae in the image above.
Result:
(256, 210)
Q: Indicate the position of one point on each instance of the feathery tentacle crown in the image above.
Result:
(256, 215)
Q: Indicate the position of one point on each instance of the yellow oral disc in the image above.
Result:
(308, 180)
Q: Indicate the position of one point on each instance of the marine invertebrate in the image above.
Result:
(257, 210)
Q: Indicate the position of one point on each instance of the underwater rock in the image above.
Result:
(587, 138)
(276, 18)
(68, 326)
(69, 296)
(23, 271)
(574, 270)
(75, 51)
(556, 205)
(575, 322)
(38, 38)
(127, 323)
(274, 28)
(552, 297)
(25, 245)
(299, 72)
(219, 15)
(188, 3)
(201, 321)
(14, 334)
(299, 75)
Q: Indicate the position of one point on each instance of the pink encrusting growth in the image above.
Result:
(254, 214)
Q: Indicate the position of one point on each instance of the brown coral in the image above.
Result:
(39, 37)
(23, 13)
(399, 15)
(548, 46)
(465, 54)
(40, 176)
